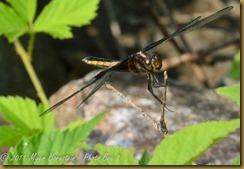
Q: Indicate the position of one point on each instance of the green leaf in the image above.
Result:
(111, 156)
(235, 71)
(88, 126)
(233, 92)
(185, 146)
(83, 145)
(24, 114)
(75, 124)
(12, 25)
(57, 17)
(236, 161)
(145, 158)
(53, 148)
(10, 136)
(26, 9)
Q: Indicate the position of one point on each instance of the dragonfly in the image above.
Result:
(144, 61)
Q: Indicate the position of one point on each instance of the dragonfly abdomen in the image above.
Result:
(108, 63)
(100, 62)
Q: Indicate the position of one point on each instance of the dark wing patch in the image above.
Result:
(99, 79)
(196, 23)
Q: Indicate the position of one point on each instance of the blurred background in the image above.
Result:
(122, 28)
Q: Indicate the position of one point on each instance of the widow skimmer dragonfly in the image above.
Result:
(143, 61)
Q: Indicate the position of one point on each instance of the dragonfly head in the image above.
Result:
(154, 60)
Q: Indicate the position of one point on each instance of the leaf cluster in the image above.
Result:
(19, 17)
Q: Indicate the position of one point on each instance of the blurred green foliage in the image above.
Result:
(235, 71)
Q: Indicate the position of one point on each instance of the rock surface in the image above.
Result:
(125, 126)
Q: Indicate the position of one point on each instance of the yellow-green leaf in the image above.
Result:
(57, 17)
(26, 9)
(12, 25)
(109, 155)
(235, 71)
(51, 148)
(233, 92)
(23, 113)
(185, 146)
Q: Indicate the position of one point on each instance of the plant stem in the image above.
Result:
(27, 63)
(31, 44)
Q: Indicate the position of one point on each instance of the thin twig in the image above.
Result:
(201, 55)
(200, 73)
(163, 127)
(94, 33)
(164, 31)
(221, 44)
(114, 27)
(151, 121)
(172, 62)
(164, 7)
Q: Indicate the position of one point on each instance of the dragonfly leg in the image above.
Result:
(150, 89)
(162, 126)
(156, 83)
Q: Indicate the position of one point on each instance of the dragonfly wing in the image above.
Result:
(99, 79)
(90, 82)
(97, 86)
(105, 77)
(196, 23)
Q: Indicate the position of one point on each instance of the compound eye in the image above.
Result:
(156, 62)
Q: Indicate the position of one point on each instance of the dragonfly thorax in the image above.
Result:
(148, 61)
